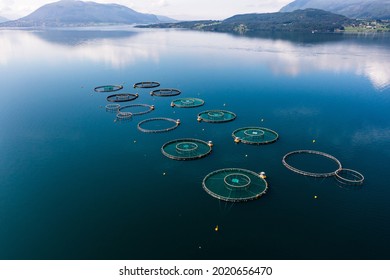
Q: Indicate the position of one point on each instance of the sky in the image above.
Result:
(178, 9)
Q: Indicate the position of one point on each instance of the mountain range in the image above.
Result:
(357, 9)
(78, 13)
(3, 19)
(308, 20)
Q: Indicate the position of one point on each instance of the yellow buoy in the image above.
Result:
(216, 228)
(315, 197)
(314, 141)
(164, 174)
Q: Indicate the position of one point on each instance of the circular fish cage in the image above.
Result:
(234, 185)
(349, 177)
(312, 174)
(149, 108)
(186, 149)
(140, 125)
(255, 135)
(187, 102)
(122, 97)
(112, 107)
(108, 88)
(146, 85)
(124, 117)
(216, 116)
(165, 92)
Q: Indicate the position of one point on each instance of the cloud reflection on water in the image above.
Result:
(116, 52)
(371, 60)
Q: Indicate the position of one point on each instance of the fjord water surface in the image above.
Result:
(74, 184)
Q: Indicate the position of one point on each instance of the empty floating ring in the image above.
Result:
(175, 122)
(122, 97)
(216, 116)
(255, 135)
(146, 85)
(349, 176)
(123, 117)
(108, 88)
(234, 184)
(186, 149)
(149, 109)
(165, 92)
(188, 102)
(311, 174)
(112, 107)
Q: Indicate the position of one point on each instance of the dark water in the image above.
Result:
(74, 184)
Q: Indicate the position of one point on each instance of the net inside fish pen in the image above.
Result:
(108, 88)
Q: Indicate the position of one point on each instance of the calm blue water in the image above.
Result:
(74, 184)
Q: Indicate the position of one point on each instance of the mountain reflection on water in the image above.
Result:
(367, 55)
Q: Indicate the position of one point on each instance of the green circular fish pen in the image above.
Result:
(186, 149)
(146, 85)
(255, 135)
(165, 92)
(122, 97)
(188, 102)
(140, 125)
(216, 116)
(149, 108)
(108, 88)
(234, 185)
